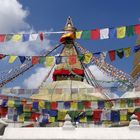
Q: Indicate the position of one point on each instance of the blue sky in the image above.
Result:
(44, 15)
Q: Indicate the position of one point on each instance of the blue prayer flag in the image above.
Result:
(25, 37)
(112, 33)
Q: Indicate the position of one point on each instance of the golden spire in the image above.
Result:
(69, 25)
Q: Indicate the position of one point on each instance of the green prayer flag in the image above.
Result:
(80, 106)
(47, 105)
(80, 57)
(130, 102)
(42, 59)
(86, 35)
(130, 30)
(89, 113)
(9, 37)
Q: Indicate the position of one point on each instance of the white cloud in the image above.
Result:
(12, 16)
(36, 79)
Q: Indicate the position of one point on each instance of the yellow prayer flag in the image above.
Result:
(12, 58)
(127, 52)
(121, 31)
(74, 105)
(42, 104)
(17, 37)
(83, 120)
(123, 117)
(78, 34)
(87, 58)
(50, 61)
(21, 118)
(10, 103)
(51, 119)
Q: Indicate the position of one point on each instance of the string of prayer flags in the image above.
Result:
(106, 33)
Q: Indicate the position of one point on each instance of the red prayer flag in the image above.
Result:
(41, 35)
(137, 29)
(95, 34)
(2, 38)
(3, 111)
(53, 105)
(97, 115)
(87, 104)
(112, 55)
(2, 56)
(35, 60)
(72, 59)
(137, 102)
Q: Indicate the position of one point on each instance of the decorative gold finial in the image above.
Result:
(69, 25)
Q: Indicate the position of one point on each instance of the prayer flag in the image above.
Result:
(33, 37)
(87, 104)
(86, 35)
(25, 37)
(53, 105)
(73, 105)
(136, 48)
(120, 53)
(22, 59)
(51, 119)
(78, 34)
(67, 105)
(35, 105)
(16, 37)
(61, 115)
(101, 104)
(95, 34)
(58, 59)
(137, 29)
(10, 103)
(72, 59)
(35, 60)
(12, 58)
(87, 58)
(2, 38)
(83, 119)
(127, 52)
(50, 61)
(112, 32)
(97, 115)
(112, 55)
(81, 57)
(42, 59)
(42, 104)
(121, 31)
(9, 37)
(130, 30)
(47, 105)
(104, 33)
(2, 56)
(41, 35)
